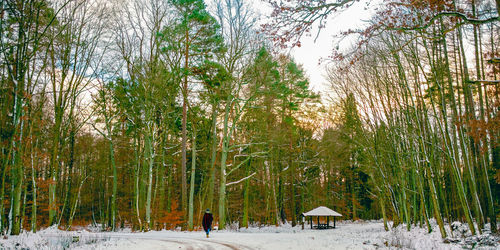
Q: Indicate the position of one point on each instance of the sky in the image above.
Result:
(312, 50)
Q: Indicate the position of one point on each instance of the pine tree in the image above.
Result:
(194, 35)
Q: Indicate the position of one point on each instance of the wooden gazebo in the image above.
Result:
(321, 211)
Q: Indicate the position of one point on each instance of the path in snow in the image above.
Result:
(347, 235)
(155, 242)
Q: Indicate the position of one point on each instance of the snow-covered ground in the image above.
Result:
(347, 235)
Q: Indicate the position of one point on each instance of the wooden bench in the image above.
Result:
(322, 226)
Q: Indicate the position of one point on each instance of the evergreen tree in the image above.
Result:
(193, 34)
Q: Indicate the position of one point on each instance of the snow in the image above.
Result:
(347, 235)
(52, 238)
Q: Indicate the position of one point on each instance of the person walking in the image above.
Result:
(207, 221)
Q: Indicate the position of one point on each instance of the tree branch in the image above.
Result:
(242, 179)
(462, 16)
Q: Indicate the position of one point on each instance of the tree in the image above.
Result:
(292, 91)
(351, 135)
(195, 36)
(104, 107)
(292, 19)
(73, 61)
(23, 26)
(149, 82)
(260, 76)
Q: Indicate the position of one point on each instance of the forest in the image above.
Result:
(141, 114)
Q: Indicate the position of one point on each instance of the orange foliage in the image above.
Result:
(173, 218)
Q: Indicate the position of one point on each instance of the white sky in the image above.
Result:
(310, 52)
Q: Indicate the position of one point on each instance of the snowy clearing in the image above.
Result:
(347, 235)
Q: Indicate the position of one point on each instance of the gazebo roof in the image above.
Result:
(321, 211)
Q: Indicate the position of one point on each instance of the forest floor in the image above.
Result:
(347, 235)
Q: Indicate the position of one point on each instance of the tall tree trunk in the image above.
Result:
(224, 151)
(192, 182)
(293, 205)
(115, 181)
(213, 157)
(452, 145)
(75, 204)
(17, 168)
(382, 207)
(469, 145)
(34, 191)
(2, 191)
(150, 156)
(136, 181)
(246, 201)
(184, 120)
(54, 169)
(17, 182)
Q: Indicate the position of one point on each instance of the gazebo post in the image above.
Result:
(318, 223)
(311, 219)
(327, 222)
(333, 221)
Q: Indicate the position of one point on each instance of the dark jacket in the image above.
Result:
(207, 221)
